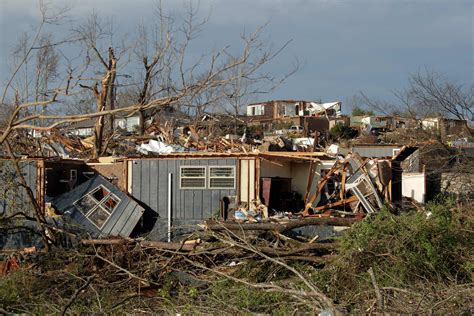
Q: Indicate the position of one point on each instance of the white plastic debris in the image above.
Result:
(155, 146)
(303, 141)
(333, 149)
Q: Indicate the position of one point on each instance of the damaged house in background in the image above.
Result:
(312, 116)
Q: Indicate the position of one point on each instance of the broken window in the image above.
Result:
(192, 177)
(85, 203)
(97, 205)
(100, 193)
(222, 177)
(98, 216)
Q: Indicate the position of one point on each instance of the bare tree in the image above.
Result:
(172, 76)
(247, 87)
(156, 50)
(428, 93)
(432, 92)
(90, 34)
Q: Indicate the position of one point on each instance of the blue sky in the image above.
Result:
(344, 46)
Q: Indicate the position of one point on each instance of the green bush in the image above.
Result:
(357, 111)
(340, 131)
(249, 299)
(434, 245)
(281, 125)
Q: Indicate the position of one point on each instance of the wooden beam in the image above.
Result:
(337, 203)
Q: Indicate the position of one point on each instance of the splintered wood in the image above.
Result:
(352, 185)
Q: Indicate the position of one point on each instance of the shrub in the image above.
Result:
(340, 131)
(433, 246)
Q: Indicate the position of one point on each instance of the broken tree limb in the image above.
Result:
(279, 227)
(376, 288)
(303, 248)
(145, 243)
(169, 245)
(76, 294)
(313, 259)
(194, 249)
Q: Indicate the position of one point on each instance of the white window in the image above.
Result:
(253, 110)
(222, 177)
(192, 177)
(132, 122)
(395, 151)
(98, 205)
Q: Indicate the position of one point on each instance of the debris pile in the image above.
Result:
(352, 185)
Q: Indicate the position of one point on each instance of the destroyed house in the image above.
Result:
(186, 188)
(47, 178)
(172, 190)
(168, 195)
(445, 127)
(83, 128)
(313, 115)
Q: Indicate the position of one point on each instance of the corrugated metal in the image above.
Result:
(13, 197)
(121, 222)
(150, 186)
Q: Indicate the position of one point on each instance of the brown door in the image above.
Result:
(266, 187)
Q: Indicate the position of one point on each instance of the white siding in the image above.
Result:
(414, 186)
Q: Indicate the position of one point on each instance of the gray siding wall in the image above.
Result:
(373, 151)
(150, 186)
(13, 197)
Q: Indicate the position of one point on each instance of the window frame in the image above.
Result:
(234, 177)
(188, 177)
(99, 204)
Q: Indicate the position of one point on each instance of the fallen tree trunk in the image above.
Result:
(280, 227)
(195, 249)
